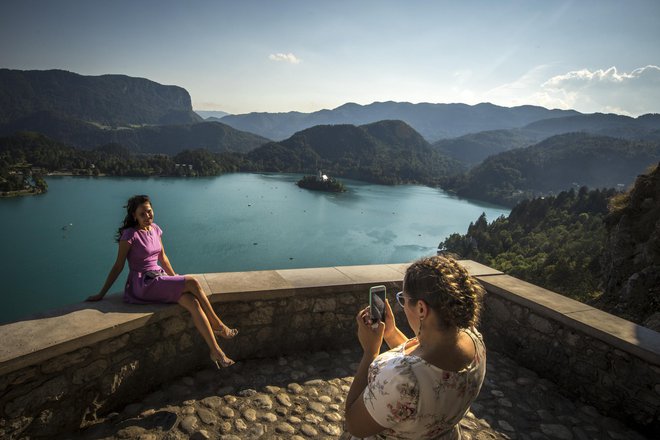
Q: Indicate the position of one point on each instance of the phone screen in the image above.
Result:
(377, 298)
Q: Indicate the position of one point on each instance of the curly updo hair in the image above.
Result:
(447, 288)
(131, 206)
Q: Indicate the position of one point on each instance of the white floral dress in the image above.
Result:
(416, 400)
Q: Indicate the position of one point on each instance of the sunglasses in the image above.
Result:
(401, 299)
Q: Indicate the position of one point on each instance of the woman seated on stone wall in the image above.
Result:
(423, 386)
(152, 279)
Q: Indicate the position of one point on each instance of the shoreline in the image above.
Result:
(21, 193)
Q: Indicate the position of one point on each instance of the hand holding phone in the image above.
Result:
(377, 298)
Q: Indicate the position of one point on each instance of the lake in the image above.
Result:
(57, 248)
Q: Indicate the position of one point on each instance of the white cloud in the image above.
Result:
(287, 57)
(604, 90)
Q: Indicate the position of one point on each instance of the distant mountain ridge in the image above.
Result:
(473, 148)
(383, 152)
(107, 100)
(555, 164)
(432, 121)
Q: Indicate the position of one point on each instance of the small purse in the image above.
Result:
(153, 274)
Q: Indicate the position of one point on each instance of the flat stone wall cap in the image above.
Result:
(255, 281)
(43, 336)
(615, 331)
(316, 277)
(399, 268)
(622, 334)
(534, 297)
(371, 274)
(473, 268)
(477, 269)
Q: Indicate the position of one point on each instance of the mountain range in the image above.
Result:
(432, 121)
(514, 151)
(556, 164)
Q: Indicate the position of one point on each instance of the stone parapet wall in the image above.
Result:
(61, 370)
(599, 358)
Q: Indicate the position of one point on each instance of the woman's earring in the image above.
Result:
(419, 332)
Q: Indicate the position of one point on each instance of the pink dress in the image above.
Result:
(143, 257)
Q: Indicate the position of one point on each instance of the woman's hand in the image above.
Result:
(97, 297)
(370, 338)
(390, 322)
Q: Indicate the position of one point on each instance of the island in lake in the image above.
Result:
(321, 182)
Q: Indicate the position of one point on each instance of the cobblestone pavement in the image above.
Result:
(301, 397)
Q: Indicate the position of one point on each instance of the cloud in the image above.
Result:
(287, 57)
(636, 92)
(604, 90)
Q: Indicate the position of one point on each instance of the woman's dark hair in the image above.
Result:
(131, 206)
(447, 288)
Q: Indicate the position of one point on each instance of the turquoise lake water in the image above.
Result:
(57, 248)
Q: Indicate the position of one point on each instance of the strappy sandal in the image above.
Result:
(226, 332)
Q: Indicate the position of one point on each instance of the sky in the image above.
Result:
(289, 55)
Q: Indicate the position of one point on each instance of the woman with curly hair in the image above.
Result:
(152, 279)
(423, 386)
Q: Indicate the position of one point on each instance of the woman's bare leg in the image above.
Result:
(194, 287)
(190, 303)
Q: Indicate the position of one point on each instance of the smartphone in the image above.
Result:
(377, 298)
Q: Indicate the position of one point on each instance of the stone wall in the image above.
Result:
(598, 358)
(60, 371)
(51, 390)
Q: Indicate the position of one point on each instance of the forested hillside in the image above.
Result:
(384, 152)
(163, 139)
(474, 148)
(26, 151)
(632, 252)
(554, 242)
(556, 164)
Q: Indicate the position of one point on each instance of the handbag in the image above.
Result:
(153, 274)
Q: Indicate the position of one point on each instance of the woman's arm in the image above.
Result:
(116, 269)
(164, 261)
(358, 420)
(393, 336)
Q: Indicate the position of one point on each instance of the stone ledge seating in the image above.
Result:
(609, 362)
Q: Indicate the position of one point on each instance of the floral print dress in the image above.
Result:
(414, 399)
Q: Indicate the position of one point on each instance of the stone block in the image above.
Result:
(111, 383)
(113, 345)
(65, 361)
(185, 342)
(261, 315)
(174, 325)
(497, 309)
(540, 324)
(90, 372)
(327, 304)
(51, 391)
(20, 377)
(145, 335)
(301, 320)
(347, 299)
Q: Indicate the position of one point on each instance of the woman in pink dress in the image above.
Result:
(152, 280)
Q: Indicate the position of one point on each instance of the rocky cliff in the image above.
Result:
(106, 100)
(632, 257)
